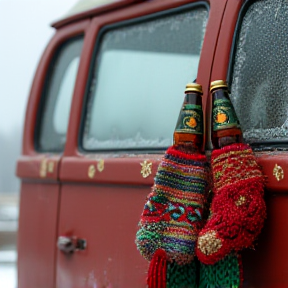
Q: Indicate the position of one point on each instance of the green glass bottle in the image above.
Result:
(225, 124)
(188, 134)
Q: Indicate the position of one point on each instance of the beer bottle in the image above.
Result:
(225, 124)
(188, 134)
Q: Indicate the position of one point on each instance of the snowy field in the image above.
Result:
(8, 270)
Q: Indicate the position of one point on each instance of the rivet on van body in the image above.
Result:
(91, 171)
(43, 168)
(100, 165)
(278, 172)
(146, 168)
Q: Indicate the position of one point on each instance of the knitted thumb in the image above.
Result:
(237, 209)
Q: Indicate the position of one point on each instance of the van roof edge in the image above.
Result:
(87, 8)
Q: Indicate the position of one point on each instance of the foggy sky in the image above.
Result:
(24, 33)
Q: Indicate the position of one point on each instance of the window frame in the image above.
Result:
(44, 97)
(97, 45)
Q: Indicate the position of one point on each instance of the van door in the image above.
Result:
(256, 68)
(43, 144)
(138, 64)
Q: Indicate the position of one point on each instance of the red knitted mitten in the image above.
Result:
(238, 209)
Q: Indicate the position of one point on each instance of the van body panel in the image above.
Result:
(111, 200)
(37, 234)
(39, 82)
(108, 222)
(266, 265)
(98, 196)
(274, 165)
(44, 166)
(39, 174)
(118, 170)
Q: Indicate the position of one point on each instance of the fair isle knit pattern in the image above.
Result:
(172, 214)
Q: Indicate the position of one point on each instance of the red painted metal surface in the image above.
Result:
(38, 82)
(120, 170)
(104, 208)
(274, 183)
(44, 166)
(106, 217)
(40, 188)
(37, 235)
(92, 208)
(267, 266)
(207, 57)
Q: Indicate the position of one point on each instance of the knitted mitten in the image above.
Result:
(237, 209)
(172, 214)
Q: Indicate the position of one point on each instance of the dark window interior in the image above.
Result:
(53, 115)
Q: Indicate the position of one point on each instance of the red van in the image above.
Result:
(102, 110)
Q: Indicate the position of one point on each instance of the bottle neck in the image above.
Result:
(193, 98)
(220, 93)
(225, 127)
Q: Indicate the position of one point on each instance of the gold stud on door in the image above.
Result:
(278, 172)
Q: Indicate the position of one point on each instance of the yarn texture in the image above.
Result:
(238, 209)
(172, 215)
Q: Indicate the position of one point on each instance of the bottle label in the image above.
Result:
(190, 120)
(224, 115)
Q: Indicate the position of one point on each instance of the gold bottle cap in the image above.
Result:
(218, 84)
(193, 87)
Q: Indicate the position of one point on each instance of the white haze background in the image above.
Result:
(24, 32)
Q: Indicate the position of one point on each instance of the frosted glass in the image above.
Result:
(259, 89)
(139, 80)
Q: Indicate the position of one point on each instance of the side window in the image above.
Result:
(138, 76)
(56, 98)
(259, 89)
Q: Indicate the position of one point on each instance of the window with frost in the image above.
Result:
(53, 114)
(138, 79)
(259, 88)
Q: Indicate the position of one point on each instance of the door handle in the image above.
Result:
(69, 245)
